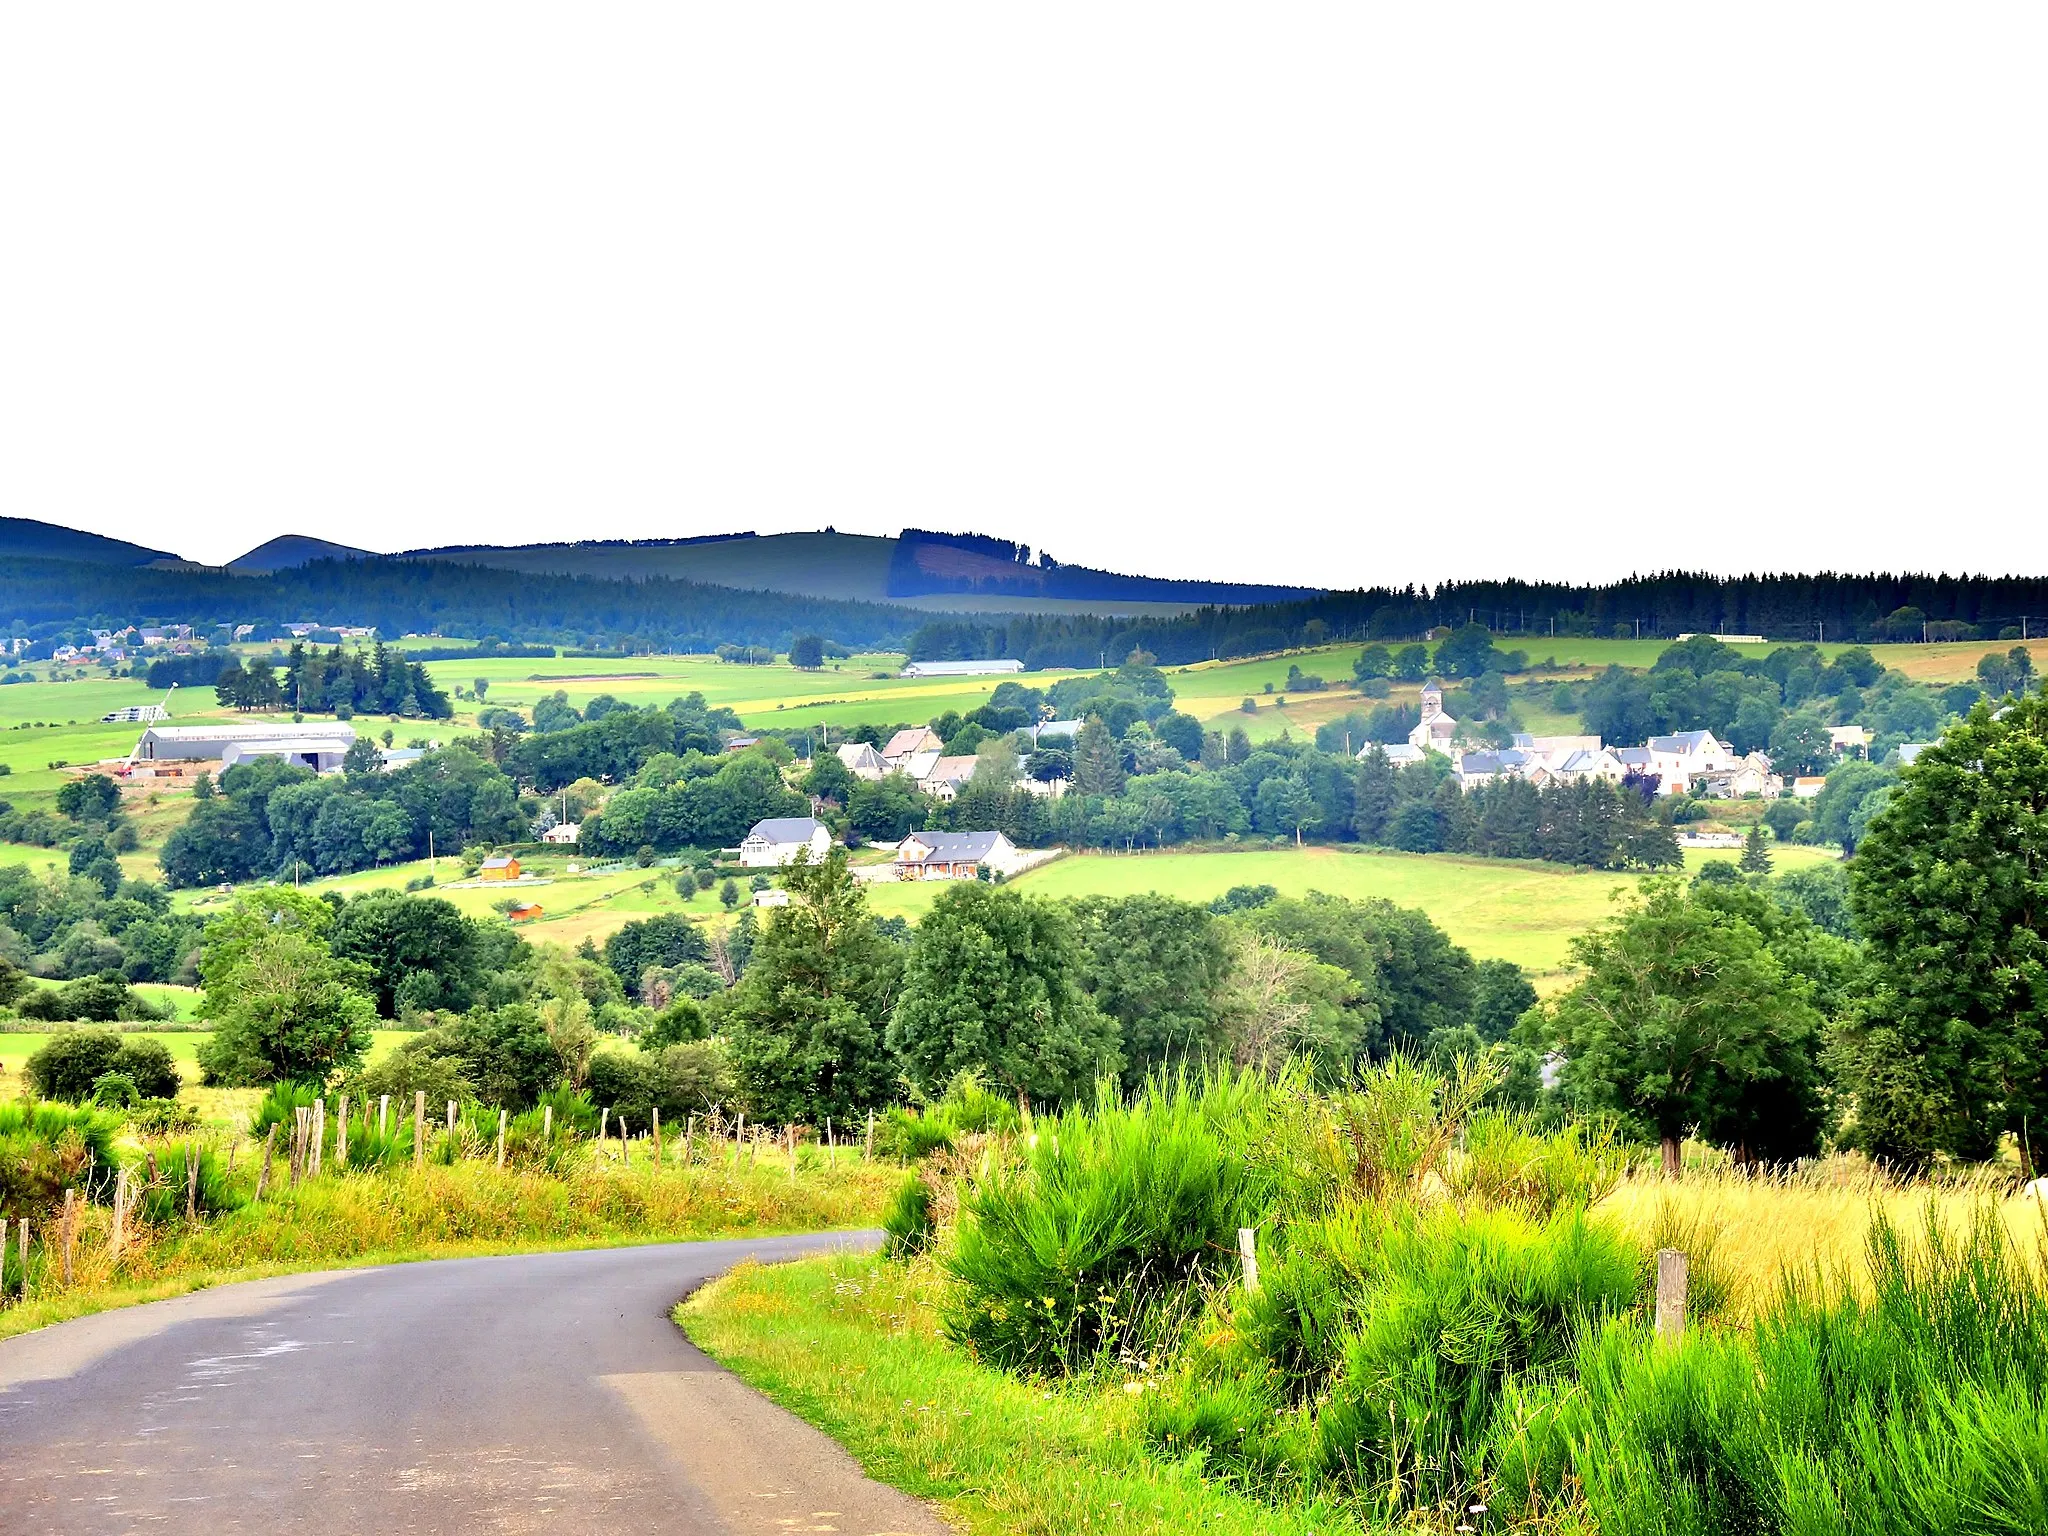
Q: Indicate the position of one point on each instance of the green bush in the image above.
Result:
(46, 1149)
(1101, 1241)
(162, 1117)
(1921, 1406)
(162, 1200)
(908, 1222)
(908, 1136)
(72, 1061)
(114, 1090)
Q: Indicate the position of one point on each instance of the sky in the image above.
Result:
(1332, 294)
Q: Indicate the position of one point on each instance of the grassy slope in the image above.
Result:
(1497, 908)
(849, 1345)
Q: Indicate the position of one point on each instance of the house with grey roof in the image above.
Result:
(778, 840)
(957, 856)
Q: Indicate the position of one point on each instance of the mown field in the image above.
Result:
(1497, 908)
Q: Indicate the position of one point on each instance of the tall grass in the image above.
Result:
(1916, 1402)
(466, 1208)
(48, 1148)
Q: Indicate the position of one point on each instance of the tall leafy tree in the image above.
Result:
(284, 1009)
(806, 1021)
(1950, 888)
(420, 951)
(1156, 966)
(1684, 1019)
(990, 988)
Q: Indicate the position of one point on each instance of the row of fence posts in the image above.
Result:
(306, 1155)
(65, 1238)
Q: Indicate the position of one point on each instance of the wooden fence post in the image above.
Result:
(269, 1146)
(120, 1216)
(689, 1139)
(828, 1134)
(419, 1128)
(604, 1117)
(191, 1181)
(3, 1259)
(341, 1133)
(625, 1146)
(384, 1114)
(298, 1143)
(1248, 1257)
(501, 1138)
(547, 1123)
(657, 1136)
(451, 1114)
(867, 1153)
(1672, 1284)
(319, 1132)
(68, 1232)
(22, 1223)
(739, 1135)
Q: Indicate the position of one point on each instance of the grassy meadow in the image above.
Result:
(1501, 909)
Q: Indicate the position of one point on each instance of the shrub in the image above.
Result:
(70, 1064)
(1101, 1241)
(906, 1136)
(908, 1223)
(48, 1148)
(162, 1117)
(114, 1090)
(161, 1201)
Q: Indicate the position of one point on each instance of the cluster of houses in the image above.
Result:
(182, 751)
(917, 753)
(1686, 762)
(116, 645)
(780, 841)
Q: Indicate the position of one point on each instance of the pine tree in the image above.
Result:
(1373, 802)
(1098, 767)
(1756, 855)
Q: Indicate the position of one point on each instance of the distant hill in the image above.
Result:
(933, 572)
(289, 551)
(23, 538)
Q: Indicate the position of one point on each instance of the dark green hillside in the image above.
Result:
(290, 550)
(23, 538)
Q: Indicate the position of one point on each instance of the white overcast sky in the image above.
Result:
(1336, 294)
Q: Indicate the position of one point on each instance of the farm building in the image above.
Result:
(771, 898)
(319, 747)
(862, 761)
(779, 839)
(562, 832)
(525, 912)
(136, 714)
(960, 668)
(499, 867)
(957, 856)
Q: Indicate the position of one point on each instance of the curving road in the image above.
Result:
(545, 1392)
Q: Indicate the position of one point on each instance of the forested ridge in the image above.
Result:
(660, 613)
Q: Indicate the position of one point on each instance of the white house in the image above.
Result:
(1679, 759)
(1436, 730)
(862, 760)
(957, 856)
(778, 840)
(1751, 776)
(947, 776)
(1400, 754)
(563, 832)
(1849, 738)
(1808, 787)
(771, 898)
(960, 668)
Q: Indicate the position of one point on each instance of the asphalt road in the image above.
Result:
(546, 1392)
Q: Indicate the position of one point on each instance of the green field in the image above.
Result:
(1497, 908)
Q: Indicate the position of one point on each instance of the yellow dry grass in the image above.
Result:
(1767, 1227)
